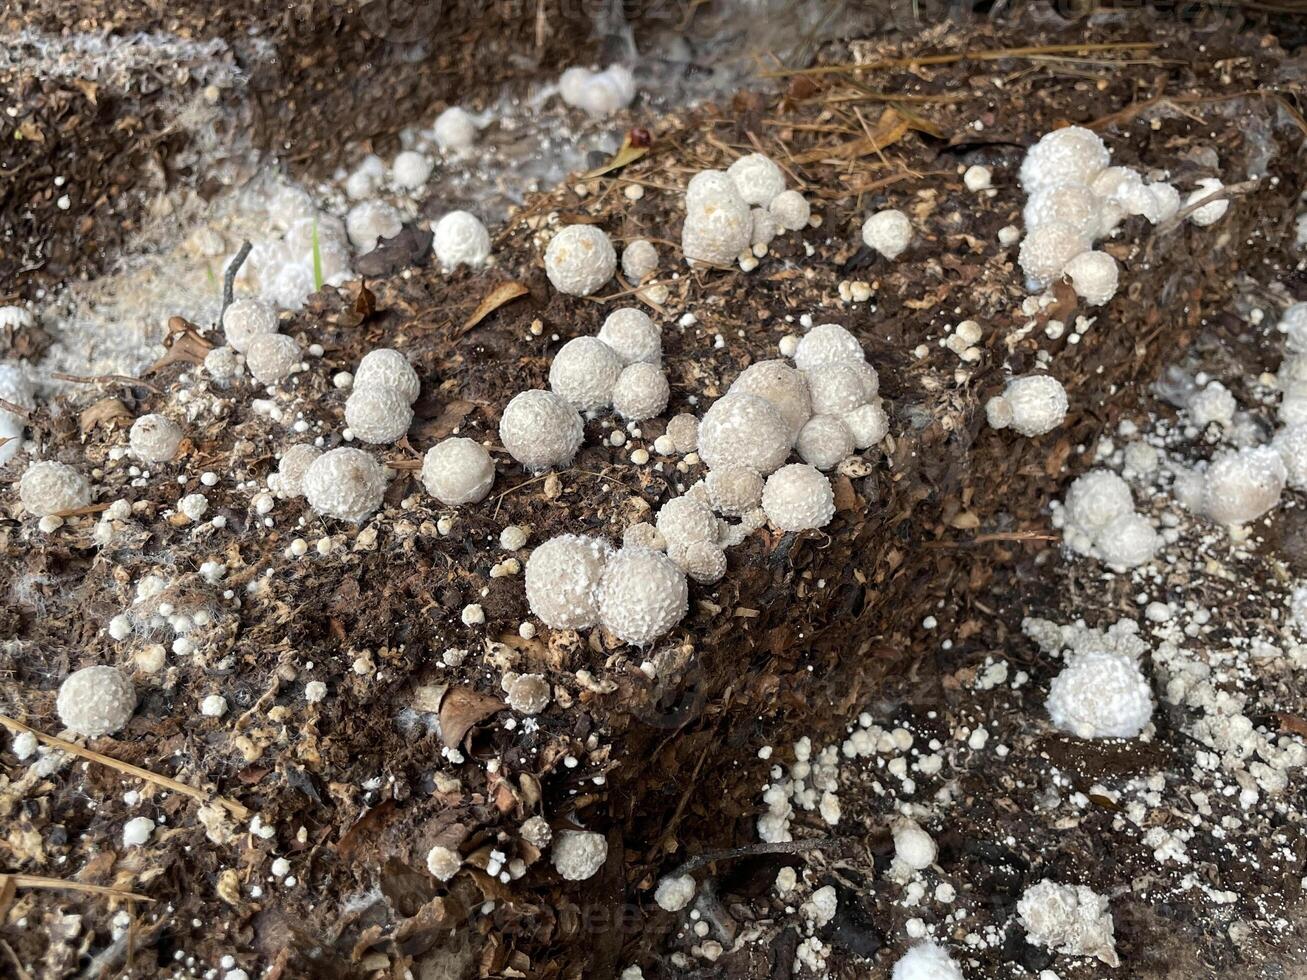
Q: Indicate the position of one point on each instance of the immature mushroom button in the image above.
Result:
(578, 854)
(827, 343)
(1073, 154)
(461, 239)
(443, 862)
(744, 430)
(1094, 277)
(1100, 694)
(1096, 499)
(824, 442)
(1046, 250)
(290, 470)
(1032, 405)
(458, 471)
(707, 185)
(734, 490)
(868, 424)
(154, 438)
(96, 701)
(718, 226)
(1130, 540)
(836, 388)
(541, 429)
(455, 129)
(703, 561)
(272, 357)
(674, 893)
(345, 483)
(562, 580)
(1074, 205)
(1211, 212)
(757, 179)
(48, 487)
(527, 694)
(798, 497)
(642, 595)
(791, 210)
(411, 169)
(780, 384)
(246, 319)
(1069, 919)
(887, 232)
(580, 259)
(369, 222)
(584, 371)
(377, 414)
(1241, 486)
(683, 520)
(639, 259)
(388, 368)
(633, 336)
(641, 392)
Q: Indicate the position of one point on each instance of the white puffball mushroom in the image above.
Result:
(47, 487)
(868, 424)
(887, 232)
(599, 93)
(781, 385)
(639, 259)
(1070, 919)
(1293, 324)
(580, 259)
(641, 392)
(1241, 486)
(385, 367)
(757, 179)
(798, 497)
(368, 222)
(527, 694)
(411, 169)
(1291, 443)
(377, 414)
(245, 319)
(734, 490)
(1095, 500)
(1166, 202)
(345, 483)
(154, 438)
(578, 854)
(977, 177)
(458, 471)
(913, 847)
(292, 466)
(224, 364)
(455, 129)
(1212, 212)
(272, 357)
(926, 961)
(584, 371)
(674, 894)
(1100, 694)
(1032, 405)
(1212, 403)
(96, 701)
(1094, 276)
(763, 232)
(1073, 205)
(824, 442)
(541, 429)
(137, 831)
(1071, 154)
(744, 430)
(683, 431)
(836, 388)
(633, 336)
(684, 520)
(562, 580)
(443, 862)
(791, 210)
(718, 226)
(213, 706)
(459, 238)
(1128, 541)
(706, 185)
(702, 561)
(642, 594)
(827, 343)
(1046, 250)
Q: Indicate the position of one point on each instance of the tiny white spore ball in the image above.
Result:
(824, 442)
(684, 520)
(1291, 443)
(798, 497)
(785, 387)
(411, 169)
(584, 371)
(455, 129)
(1242, 486)
(1046, 250)
(1033, 405)
(827, 343)
(388, 368)
(377, 414)
(1100, 694)
(246, 319)
(791, 210)
(368, 222)
(224, 364)
(836, 388)
(1130, 540)
(718, 226)
(744, 430)
(642, 595)
(580, 259)
(562, 580)
(96, 701)
(632, 336)
(345, 483)
(1094, 276)
(541, 429)
(674, 894)
(1072, 154)
(1069, 919)
(913, 847)
(977, 177)
(734, 490)
(1212, 403)
(1073, 205)
(137, 831)
(888, 232)
(641, 392)
(578, 854)
(443, 862)
(527, 694)
(461, 239)
(154, 438)
(639, 259)
(868, 423)
(47, 487)
(1208, 214)
(757, 179)
(926, 961)
(458, 471)
(290, 470)
(272, 357)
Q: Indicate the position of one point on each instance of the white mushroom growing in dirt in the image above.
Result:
(461, 239)
(377, 414)
(757, 179)
(718, 226)
(411, 169)
(745, 431)
(368, 222)
(1046, 250)
(580, 259)
(791, 210)
(632, 336)
(781, 385)
(541, 429)
(154, 438)
(96, 701)
(1068, 919)
(824, 441)
(1032, 405)
(455, 129)
(458, 471)
(734, 490)
(599, 93)
(798, 497)
(584, 371)
(578, 854)
(1098, 518)
(639, 260)
(562, 580)
(1093, 276)
(1211, 212)
(345, 483)
(272, 357)
(926, 961)
(642, 595)
(47, 488)
(295, 461)
(887, 232)
(1100, 694)
(246, 319)
(1072, 154)
(388, 368)
(641, 392)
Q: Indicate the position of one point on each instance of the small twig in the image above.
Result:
(1220, 194)
(104, 379)
(748, 850)
(61, 884)
(229, 278)
(21, 973)
(13, 409)
(949, 59)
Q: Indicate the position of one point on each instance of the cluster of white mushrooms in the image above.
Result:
(251, 327)
(281, 268)
(621, 368)
(733, 215)
(1098, 518)
(379, 408)
(599, 93)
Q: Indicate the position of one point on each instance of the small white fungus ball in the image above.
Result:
(798, 497)
(1095, 500)
(707, 185)
(783, 386)
(684, 520)
(734, 490)
(888, 232)
(641, 392)
(674, 894)
(836, 388)
(457, 471)
(926, 961)
(1291, 443)
(1073, 205)
(744, 430)
(154, 438)
(137, 831)
(584, 371)
(1239, 487)
(632, 336)
(1100, 694)
(1071, 154)
(455, 129)
(702, 561)
(47, 488)
(868, 424)
(1094, 276)
(757, 179)
(977, 177)
(791, 210)
(388, 368)
(764, 230)
(96, 701)
(642, 595)
(377, 414)
(683, 431)
(1212, 403)
(599, 93)
(368, 222)
(1033, 405)
(295, 461)
(224, 364)
(913, 847)
(541, 429)
(527, 694)
(1046, 250)
(443, 862)
(461, 239)
(1212, 212)
(827, 343)
(580, 259)
(272, 357)
(639, 259)
(411, 169)
(562, 580)
(578, 854)
(1069, 919)
(345, 483)
(1129, 541)
(246, 319)
(213, 706)
(824, 442)
(718, 227)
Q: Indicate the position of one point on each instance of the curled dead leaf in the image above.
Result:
(461, 709)
(634, 146)
(103, 412)
(504, 293)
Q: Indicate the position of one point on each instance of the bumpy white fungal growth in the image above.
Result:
(1069, 919)
(1129, 541)
(443, 862)
(461, 239)
(674, 894)
(633, 336)
(580, 259)
(868, 424)
(1213, 403)
(455, 129)
(47, 487)
(683, 431)
(458, 471)
(926, 961)
(411, 169)
(644, 535)
(584, 371)
(734, 490)
(642, 595)
(96, 701)
(154, 438)
(888, 232)
(536, 832)
(137, 831)
(1094, 276)
(1093, 501)
(913, 847)
(246, 319)
(1291, 443)
(836, 388)
(764, 230)
(1032, 405)
(388, 368)
(224, 364)
(377, 414)
(639, 259)
(684, 520)
(368, 222)
(599, 93)
(702, 561)
(562, 580)
(578, 854)
(541, 429)
(1100, 694)
(526, 694)
(1069, 155)
(791, 210)
(1293, 324)
(824, 441)
(718, 224)
(757, 179)
(1073, 205)
(15, 318)
(292, 466)
(1212, 212)
(345, 483)
(272, 357)
(977, 177)
(16, 389)
(783, 386)
(827, 343)
(1046, 250)
(641, 392)
(798, 497)
(744, 430)
(1241, 486)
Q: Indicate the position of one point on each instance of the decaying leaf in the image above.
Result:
(446, 422)
(463, 708)
(103, 412)
(505, 292)
(633, 147)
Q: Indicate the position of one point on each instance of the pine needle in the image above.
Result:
(61, 884)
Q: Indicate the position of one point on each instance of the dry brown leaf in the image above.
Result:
(846, 498)
(463, 708)
(184, 344)
(102, 413)
(628, 152)
(505, 292)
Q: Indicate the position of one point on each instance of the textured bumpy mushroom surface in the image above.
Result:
(461, 239)
(1242, 486)
(369, 222)
(388, 368)
(1073, 205)
(290, 470)
(47, 487)
(733, 490)
(599, 93)
(458, 471)
(377, 414)
(541, 429)
(827, 343)
(1100, 694)
(1033, 405)
(443, 862)
(641, 392)
(674, 893)
(684, 520)
(580, 259)
(706, 185)
(791, 210)
(1072, 155)
(718, 226)
(17, 390)
(584, 371)
(246, 319)
(410, 169)
(1291, 443)
(798, 497)
(926, 961)
(578, 854)
(703, 561)
(642, 595)
(632, 336)
(1130, 540)
(562, 580)
(154, 438)
(1046, 250)
(455, 129)
(1095, 500)
(272, 357)
(1212, 403)
(224, 364)
(744, 430)
(824, 441)
(1094, 276)
(785, 387)
(757, 179)
(345, 483)
(868, 423)
(836, 388)
(1069, 919)
(888, 232)
(527, 694)
(639, 259)
(96, 701)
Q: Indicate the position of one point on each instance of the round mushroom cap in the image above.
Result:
(96, 701)
(377, 414)
(1094, 276)
(867, 423)
(154, 438)
(633, 336)
(641, 392)
(683, 520)
(703, 561)
(272, 357)
(639, 259)
(791, 210)
(642, 595)
(926, 960)
(744, 430)
(1100, 694)
(824, 442)
(1037, 402)
(290, 470)
(562, 580)
(541, 429)
(1046, 250)
(1073, 205)
(780, 384)
(526, 694)
(683, 430)
(718, 228)
(1096, 499)
(345, 483)
(461, 239)
(1291, 443)
(48, 487)
(455, 129)
(888, 232)
(224, 364)
(757, 179)
(707, 185)
(798, 497)
(580, 259)
(836, 388)
(458, 471)
(1241, 486)
(386, 367)
(411, 169)
(1071, 154)
(734, 490)
(368, 222)
(245, 319)
(578, 854)
(584, 371)
(827, 343)
(763, 231)
(1129, 541)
